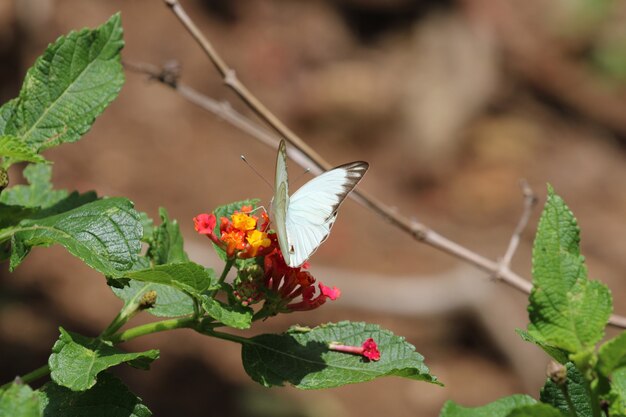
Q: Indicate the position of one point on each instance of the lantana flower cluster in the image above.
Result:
(239, 235)
(282, 288)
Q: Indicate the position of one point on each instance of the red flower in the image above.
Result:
(368, 349)
(204, 223)
(290, 283)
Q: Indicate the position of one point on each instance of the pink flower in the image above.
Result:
(368, 349)
(205, 223)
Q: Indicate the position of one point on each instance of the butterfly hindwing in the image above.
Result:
(312, 209)
(303, 221)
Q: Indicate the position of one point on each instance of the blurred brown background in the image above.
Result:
(451, 102)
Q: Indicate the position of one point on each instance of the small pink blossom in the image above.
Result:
(368, 349)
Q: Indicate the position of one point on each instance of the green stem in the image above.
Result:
(31, 376)
(145, 329)
(595, 400)
(227, 336)
(159, 326)
(126, 313)
(229, 264)
(6, 234)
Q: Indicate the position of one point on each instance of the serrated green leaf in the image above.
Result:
(6, 113)
(304, 360)
(68, 87)
(108, 398)
(185, 276)
(167, 245)
(12, 150)
(535, 410)
(498, 408)
(38, 194)
(12, 215)
(617, 395)
(105, 234)
(555, 353)
(170, 301)
(77, 360)
(226, 211)
(148, 227)
(238, 317)
(577, 390)
(566, 310)
(19, 400)
(612, 354)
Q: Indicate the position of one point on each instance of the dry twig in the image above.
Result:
(530, 200)
(417, 230)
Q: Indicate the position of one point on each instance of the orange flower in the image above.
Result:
(234, 241)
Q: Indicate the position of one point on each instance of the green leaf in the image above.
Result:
(612, 354)
(185, 276)
(38, 194)
(555, 353)
(227, 211)
(167, 246)
(109, 397)
(170, 301)
(7, 111)
(535, 410)
(4, 179)
(498, 408)
(12, 148)
(77, 360)
(617, 395)
(19, 400)
(12, 215)
(566, 310)
(70, 84)
(304, 360)
(577, 390)
(148, 228)
(105, 234)
(238, 317)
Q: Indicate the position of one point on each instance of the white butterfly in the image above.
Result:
(303, 221)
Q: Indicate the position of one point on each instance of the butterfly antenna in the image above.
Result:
(243, 158)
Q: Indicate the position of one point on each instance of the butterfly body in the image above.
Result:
(303, 221)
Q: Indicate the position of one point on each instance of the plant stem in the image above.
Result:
(31, 376)
(227, 336)
(126, 313)
(229, 264)
(190, 322)
(159, 326)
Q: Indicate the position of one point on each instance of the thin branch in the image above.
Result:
(417, 230)
(530, 201)
(221, 109)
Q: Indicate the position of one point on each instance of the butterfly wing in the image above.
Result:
(280, 202)
(311, 211)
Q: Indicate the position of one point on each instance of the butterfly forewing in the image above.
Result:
(280, 202)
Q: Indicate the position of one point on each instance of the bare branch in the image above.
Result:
(419, 231)
(530, 201)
